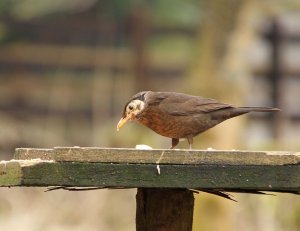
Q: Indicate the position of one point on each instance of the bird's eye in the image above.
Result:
(130, 107)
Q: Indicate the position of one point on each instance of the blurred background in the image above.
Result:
(68, 67)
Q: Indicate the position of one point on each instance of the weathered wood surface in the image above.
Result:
(176, 156)
(34, 153)
(228, 170)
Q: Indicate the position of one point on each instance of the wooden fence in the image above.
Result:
(162, 177)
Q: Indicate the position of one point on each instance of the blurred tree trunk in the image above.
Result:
(219, 20)
(212, 72)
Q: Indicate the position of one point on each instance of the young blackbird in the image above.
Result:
(178, 115)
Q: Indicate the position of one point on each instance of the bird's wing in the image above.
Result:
(182, 104)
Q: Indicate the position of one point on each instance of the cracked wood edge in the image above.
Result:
(11, 172)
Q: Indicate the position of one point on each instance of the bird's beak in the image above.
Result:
(124, 120)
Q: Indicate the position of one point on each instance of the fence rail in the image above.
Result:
(207, 169)
(161, 176)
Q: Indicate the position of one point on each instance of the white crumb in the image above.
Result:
(210, 149)
(143, 147)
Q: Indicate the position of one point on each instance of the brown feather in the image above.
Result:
(178, 115)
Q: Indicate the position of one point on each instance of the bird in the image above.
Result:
(179, 115)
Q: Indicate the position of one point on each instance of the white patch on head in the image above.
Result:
(135, 107)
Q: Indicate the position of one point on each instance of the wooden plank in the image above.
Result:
(11, 172)
(33, 153)
(167, 156)
(50, 173)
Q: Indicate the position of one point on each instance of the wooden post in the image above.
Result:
(160, 209)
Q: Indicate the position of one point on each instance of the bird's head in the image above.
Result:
(132, 109)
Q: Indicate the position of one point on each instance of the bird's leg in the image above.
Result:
(175, 141)
(190, 140)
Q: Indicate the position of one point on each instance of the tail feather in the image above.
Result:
(258, 109)
(243, 110)
(227, 113)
